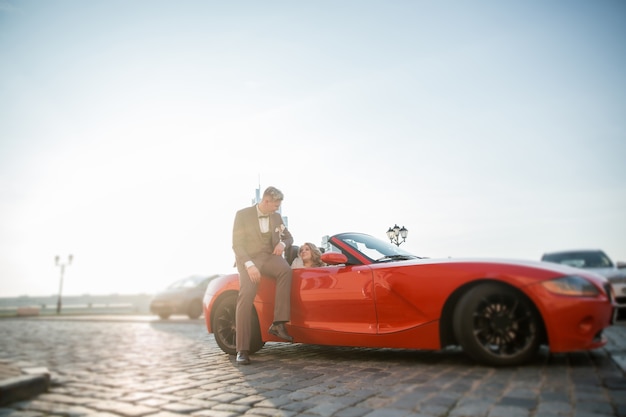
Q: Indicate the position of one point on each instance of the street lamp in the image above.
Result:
(395, 233)
(60, 264)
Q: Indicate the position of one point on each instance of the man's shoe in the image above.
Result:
(279, 330)
(243, 358)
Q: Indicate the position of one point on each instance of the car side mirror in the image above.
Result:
(620, 265)
(334, 258)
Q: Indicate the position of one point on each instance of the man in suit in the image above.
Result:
(259, 240)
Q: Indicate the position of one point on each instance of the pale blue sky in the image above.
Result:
(131, 132)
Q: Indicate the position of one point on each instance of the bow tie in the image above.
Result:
(267, 216)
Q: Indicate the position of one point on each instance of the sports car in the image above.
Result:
(375, 294)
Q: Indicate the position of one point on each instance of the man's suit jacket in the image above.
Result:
(247, 239)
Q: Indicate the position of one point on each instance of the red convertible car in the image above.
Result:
(374, 294)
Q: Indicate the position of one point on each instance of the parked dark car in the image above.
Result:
(597, 261)
(182, 297)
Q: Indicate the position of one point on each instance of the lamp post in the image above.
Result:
(60, 264)
(395, 233)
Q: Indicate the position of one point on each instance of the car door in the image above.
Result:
(335, 298)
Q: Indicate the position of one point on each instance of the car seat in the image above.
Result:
(291, 253)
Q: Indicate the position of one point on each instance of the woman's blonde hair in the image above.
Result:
(316, 254)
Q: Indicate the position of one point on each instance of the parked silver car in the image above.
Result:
(599, 262)
(182, 297)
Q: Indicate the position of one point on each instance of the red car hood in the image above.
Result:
(549, 267)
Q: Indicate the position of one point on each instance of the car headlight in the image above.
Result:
(573, 285)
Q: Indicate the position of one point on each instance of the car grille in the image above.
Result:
(620, 309)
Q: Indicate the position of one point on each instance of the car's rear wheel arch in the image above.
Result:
(446, 323)
(223, 324)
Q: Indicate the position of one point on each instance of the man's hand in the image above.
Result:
(279, 249)
(254, 274)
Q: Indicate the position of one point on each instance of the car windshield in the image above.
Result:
(580, 259)
(375, 249)
(189, 282)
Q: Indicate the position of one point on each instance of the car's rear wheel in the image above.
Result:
(223, 326)
(195, 309)
(497, 325)
(164, 316)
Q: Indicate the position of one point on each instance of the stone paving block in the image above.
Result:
(352, 412)
(270, 412)
(153, 402)
(235, 408)
(527, 403)
(444, 399)
(554, 407)
(615, 382)
(434, 409)
(406, 402)
(603, 408)
(135, 396)
(301, 407)
(524, 392)
(375, 402)
(274, 402)
(196, 402)
(65, 399)
(275, 393)
(53, 408)
(212, 386)
(387, 413)
(474, 408)
(214, 413)
(509, 411)
(209, 395)
(554, 397)
(299, 396)
(250, 399)
(170, 389)
(182, 408)
(125, 409)
(326, 409)
(226, 397)
(584, 413)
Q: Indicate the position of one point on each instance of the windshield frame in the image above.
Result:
(361, 248)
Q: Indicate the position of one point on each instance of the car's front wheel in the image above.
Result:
(223, 326)
(497, 325)
(195, 309)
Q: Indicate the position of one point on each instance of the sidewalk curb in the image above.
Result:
(31, 382)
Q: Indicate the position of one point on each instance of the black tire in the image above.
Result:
(195, 309)
(164, 316)
(496, 325)
(223, 326)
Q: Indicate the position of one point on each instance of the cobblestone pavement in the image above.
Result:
(138, 368)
